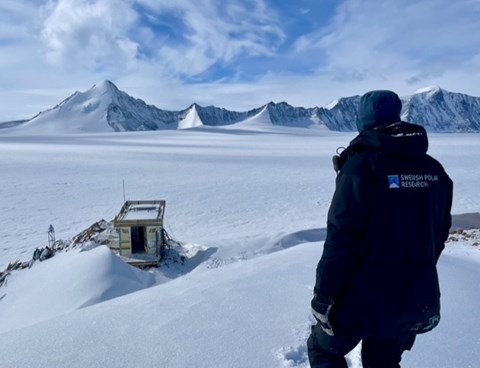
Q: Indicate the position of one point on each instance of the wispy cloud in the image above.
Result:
(211, 31)
(115, 34)
(377, 37)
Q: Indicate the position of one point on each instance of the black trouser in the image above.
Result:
(326, 351)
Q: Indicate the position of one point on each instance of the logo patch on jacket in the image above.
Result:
(411, 180)
(393, 181)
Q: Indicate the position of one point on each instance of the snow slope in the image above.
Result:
(191, 120)
(257, 122)
(81, 112)
(65, 283)
(251, 206)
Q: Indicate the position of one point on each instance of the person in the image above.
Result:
(376, 281)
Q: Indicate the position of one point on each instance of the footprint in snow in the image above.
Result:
(297, 356)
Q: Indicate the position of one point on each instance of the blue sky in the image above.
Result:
(233, 54)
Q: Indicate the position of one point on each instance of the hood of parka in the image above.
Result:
(378, 108)
(402, 139)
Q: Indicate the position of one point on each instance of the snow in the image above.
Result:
(66, 283)
(429, 89)
(82, 112)
(191, 120)
(332, 104)
(257, 122)
(250, 205)
(142, 212)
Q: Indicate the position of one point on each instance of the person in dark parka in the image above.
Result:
(388, 221)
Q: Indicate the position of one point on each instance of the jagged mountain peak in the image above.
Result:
(428, 90)
(342, 101)
(332, 104)
(278, 104)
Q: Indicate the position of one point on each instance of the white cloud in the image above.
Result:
(92, 35)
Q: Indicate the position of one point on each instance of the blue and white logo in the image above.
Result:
(393, 181)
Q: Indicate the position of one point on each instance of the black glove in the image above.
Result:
(321, 308)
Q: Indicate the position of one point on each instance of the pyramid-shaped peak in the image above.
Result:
(105, 86)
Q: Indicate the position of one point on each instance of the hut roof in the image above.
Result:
(138, 213)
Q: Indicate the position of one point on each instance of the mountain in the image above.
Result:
(104, 108)
(434, 108)
(340, 115)
(214, 116)
(440, 110)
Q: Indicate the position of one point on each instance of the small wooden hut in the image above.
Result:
(140, 232)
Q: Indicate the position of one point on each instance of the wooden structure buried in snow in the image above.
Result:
(140, 232)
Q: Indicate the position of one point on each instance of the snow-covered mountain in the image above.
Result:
(215, 116)
(341, 114)
(434, 108)
(284, 114)
(440, 110)
(104, 108)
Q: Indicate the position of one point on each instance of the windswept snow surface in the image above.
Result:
(251, 206)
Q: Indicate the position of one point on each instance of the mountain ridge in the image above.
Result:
(105, 108)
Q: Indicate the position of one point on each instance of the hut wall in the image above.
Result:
(126, 239)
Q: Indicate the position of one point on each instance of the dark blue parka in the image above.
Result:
(387, 225)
